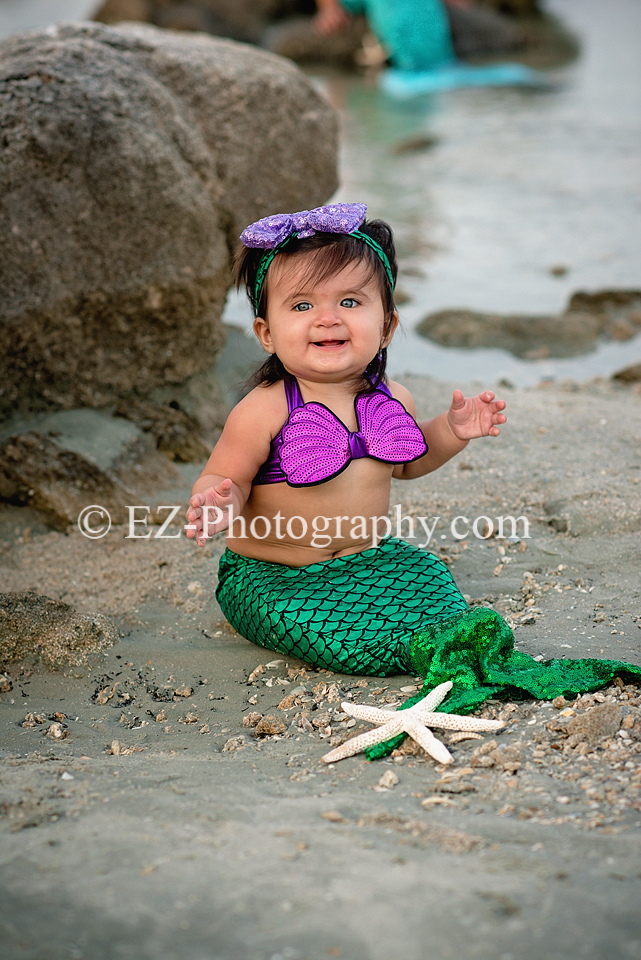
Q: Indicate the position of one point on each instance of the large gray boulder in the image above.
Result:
(131, 160)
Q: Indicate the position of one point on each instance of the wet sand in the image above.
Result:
(166, 844)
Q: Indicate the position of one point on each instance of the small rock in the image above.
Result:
(321, 720)
(204, 728)
(189, 718)
(6, 683)
(414, 144)
(387, 781)
(160, 717)
(287, 702)
(57, 731)
(234, 743)
(269, 726)
(333, 694)
(183, 691)
(559, 702)
(34, 719)
(67, 776)
(454, 786)
(118, 749)
(252, 719)
(334, 816)
(106, 694)
(601, 721)
(630, 374)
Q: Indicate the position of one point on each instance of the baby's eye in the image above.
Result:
(301, 307)
(349, 302)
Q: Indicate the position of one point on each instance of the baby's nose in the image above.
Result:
(328, 316)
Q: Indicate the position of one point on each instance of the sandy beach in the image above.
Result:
(161, 826)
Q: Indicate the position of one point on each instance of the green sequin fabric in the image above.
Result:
(475, 650)
(389, 610)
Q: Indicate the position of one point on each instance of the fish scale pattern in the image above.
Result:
(354, 614)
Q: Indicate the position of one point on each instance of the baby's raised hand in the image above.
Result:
(472, 417)
(202, 508)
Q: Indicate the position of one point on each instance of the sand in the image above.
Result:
(138, 835)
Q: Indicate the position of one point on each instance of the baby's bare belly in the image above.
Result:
(299, 526)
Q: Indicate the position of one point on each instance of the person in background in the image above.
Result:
(416, 33)
(417, 37)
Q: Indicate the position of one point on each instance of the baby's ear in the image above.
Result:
(393, 324)
(262, 331)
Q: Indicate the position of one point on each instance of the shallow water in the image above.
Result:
(518, 182)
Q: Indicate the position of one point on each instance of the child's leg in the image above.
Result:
(353, 614)
(416, 32)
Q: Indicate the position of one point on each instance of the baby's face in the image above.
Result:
(328, 330)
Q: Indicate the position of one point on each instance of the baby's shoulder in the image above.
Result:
(401, 393)
(264, 406)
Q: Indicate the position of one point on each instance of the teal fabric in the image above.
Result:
(406, 84)
(415, 32)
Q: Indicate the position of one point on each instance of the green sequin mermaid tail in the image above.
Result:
(389, 610)
(354, 614)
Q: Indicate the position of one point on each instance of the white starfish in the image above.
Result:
(414, 721)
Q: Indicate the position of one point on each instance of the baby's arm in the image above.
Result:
(227, 477)
(331, 17)
(446, 435)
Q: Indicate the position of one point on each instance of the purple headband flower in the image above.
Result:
(271, 233)
(333, 218)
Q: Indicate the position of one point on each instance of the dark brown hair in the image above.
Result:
(329, 252)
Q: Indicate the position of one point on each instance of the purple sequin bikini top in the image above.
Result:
(315, 446)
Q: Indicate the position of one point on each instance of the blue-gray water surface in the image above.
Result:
(519, 181)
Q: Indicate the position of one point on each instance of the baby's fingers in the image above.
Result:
(496, 418)
(223, 492)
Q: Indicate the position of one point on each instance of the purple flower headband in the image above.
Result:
(272, 233)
